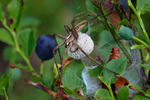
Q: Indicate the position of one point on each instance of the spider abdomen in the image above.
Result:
(86, 44)
(44, 47)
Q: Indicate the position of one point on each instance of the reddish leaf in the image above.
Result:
(114, 18)
(68, 61)
(115, 54)
(121, 82)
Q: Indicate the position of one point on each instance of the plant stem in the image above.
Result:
(138, 14)
(5, 93)
(20, 52)
(140, 41)
(111, 92)
(109, 88)
(42, 69)
(114, 35)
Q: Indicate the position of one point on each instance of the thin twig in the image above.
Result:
(113, 33)
(42, 87)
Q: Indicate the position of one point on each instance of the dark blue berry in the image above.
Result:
(124, 3)
(44, 47)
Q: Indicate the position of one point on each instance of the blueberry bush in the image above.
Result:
(102, 53)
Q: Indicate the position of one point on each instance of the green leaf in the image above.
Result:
(137, 46)
(1, 13)
(139, 97)
(137, 88)
(48, 75)
(91, 7)
(109, 77)
(95, 72)
(68, 91)
(13, 10)
(6, 37)
(26, 68)
(146, 8)
(4, 83)
(36, 79)
(15, 73)
(148, 92)
(47, 78)
(115, 65)
(27, 41)
(124, 22)
(72, 93)
(105, 98)
(145, 66)
(72, 76)
(123, 93)
(10, 54)
(105, 44)
(62, 48)
(102, 94)
(143, 6)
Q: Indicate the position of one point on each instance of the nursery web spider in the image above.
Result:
(71, 39)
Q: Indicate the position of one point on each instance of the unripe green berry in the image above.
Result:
(126, 33)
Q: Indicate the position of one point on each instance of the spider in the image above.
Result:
(71, 40)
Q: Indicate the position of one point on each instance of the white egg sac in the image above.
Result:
(85, 42)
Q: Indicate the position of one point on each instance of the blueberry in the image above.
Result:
(44, 47)
(124, 3)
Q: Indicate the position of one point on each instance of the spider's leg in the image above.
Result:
(57, 47)
(63, 56)
(59, 35)
(93, 60)
(68, 30)
(62, 37)
(79, 26)
(81, 13)
(78, 18)
(74, 31)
